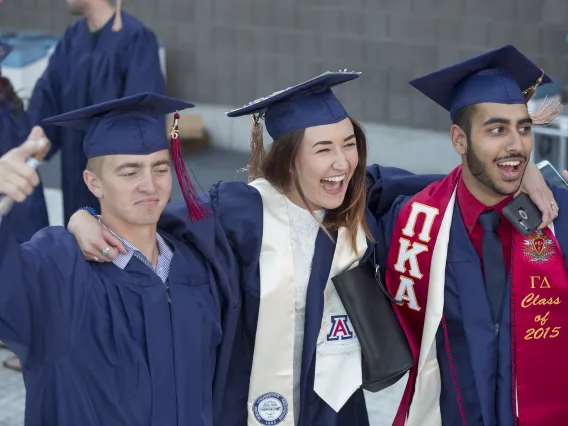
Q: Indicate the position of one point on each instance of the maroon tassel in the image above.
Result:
(195, 205)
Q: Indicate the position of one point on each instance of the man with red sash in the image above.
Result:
(483, 306)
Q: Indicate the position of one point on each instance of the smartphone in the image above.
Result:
(523, 214)
(551, 174)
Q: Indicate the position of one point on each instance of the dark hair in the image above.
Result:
(8, 96)
(278, 167)
(463, 119)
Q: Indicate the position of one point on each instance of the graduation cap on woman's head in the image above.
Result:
(503, 75)
(308, 104)
(134, 125)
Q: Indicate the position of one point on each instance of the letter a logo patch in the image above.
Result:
(340, 329)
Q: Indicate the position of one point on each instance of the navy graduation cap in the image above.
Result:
(502, 75)
(308, 104)
(133, 125)
(5, 50)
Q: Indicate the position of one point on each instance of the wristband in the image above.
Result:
(88, 209)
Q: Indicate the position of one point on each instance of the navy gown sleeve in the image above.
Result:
(239, 209)
(143, 73)
(384, 230)
(46, 99)
(44, 284)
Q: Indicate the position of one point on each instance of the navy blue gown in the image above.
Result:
(88, 68)
(238, 207)
(102, 346)
(31, 215)
(482, 358)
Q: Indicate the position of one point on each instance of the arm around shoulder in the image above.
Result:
(385, 184)
(385, 228)
(238, 207)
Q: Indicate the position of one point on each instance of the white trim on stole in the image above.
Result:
(425, 407)
(338, 361)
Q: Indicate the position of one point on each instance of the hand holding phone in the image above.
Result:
(523, 214)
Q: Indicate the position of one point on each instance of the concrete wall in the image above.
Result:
(228, 52)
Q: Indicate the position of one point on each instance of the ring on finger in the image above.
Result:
(552, 205)
(95, 258)
(105, 251)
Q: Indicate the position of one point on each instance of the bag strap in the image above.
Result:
(380, 281)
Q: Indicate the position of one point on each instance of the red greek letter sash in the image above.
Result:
(409, 266)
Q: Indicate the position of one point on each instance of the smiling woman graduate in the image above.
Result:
(299, 352)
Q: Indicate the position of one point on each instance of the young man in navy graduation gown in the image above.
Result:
(142, 340)
(106, 55)
(482, 305)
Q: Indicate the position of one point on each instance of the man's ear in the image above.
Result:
(459, 139)
(93, 183)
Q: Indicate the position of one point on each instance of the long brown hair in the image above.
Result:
(8, 96)
(278, 167)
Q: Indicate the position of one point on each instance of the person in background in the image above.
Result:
(107, 54)
(483, 305)
(14, 129)
(142, 341)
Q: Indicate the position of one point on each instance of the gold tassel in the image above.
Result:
(117, 25)
(546, 113)
(257, 151)
(532, 90)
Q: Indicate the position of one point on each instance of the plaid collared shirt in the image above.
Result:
(165, 255)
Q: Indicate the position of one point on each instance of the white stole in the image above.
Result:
(338, 360)
(425, 407)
